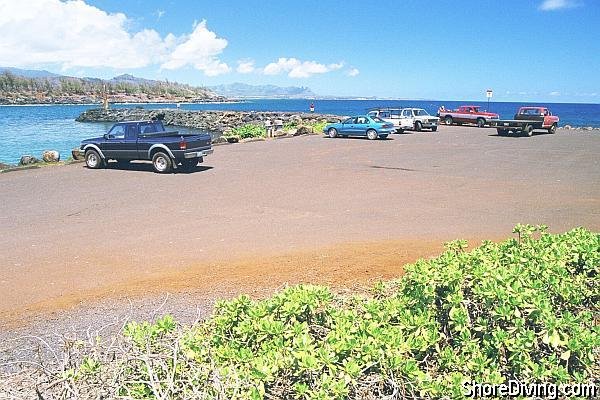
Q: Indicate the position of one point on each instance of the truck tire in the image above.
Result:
(332, 133)
(433, 128)
(502, 132)
(161, 162)
(552, 129)
(448, 120)
(372, 134)
(528, 130)
(93, 159)
(480, 123)
(418, 126)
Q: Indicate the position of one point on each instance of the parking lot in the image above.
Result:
(307, 209)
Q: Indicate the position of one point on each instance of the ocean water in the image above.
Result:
(33, 129)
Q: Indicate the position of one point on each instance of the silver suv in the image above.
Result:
(407, 118)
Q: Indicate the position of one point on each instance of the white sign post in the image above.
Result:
(489, 93)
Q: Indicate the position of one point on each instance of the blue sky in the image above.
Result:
(525, 50)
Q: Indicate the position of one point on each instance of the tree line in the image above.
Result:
(14, 84)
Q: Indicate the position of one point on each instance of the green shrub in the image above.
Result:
(249, 131)
(524, 309)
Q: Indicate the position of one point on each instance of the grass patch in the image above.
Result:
(248, 131)
(524, 309)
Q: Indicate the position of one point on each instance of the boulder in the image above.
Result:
(77, 155)
(233, 139)
(304, 130)
(567, 127)
(28, 160)
(279, 133)
(220, 139)
(51, 156)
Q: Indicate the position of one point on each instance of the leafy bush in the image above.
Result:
(249, 131)
(524, 309)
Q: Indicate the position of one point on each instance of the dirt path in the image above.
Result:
(258, 215)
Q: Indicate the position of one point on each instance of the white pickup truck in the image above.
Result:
(407, 118)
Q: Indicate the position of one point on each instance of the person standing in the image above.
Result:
(312, 107)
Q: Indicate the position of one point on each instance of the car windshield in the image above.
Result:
(421, 112)
(377, 119)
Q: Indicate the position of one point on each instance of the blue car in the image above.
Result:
(370, 126)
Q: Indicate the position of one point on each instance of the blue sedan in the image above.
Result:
(362, 125)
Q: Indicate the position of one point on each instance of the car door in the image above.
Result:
(347, 126)
(115, 140)
(406, 119)
(130, 150)
(361, 124)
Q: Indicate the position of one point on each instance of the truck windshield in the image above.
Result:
(530, 111)
(377, 119)
(151, 127)
(420, 112)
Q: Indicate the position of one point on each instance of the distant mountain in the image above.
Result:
(244, 90)
(29, 73)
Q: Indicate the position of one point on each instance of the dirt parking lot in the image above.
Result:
(259, 215)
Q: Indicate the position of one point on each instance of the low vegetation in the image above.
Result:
(248, 131)
(526, 308)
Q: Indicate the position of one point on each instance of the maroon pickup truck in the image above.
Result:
(528, 119)
(468, 115)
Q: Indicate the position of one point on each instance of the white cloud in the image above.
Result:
(199, 49)
(73, 35)
(352, 72)
(245, 66)
(554, 93)
(299, 69)
(550, 5)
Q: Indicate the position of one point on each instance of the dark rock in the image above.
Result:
(219, 140)
(28, 160)
(304, 130)
(51, 156)
(76, 154)
(233, 139)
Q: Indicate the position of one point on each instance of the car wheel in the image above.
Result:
(372, 134)
(552, 129)
(448, 120)
(332, 133)
(418, 126)
(528, 130)
(383, 136)
(162, 162)
(480, 122)
(433, 128)
(190, 163)
(93, 159)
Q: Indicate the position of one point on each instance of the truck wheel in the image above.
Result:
(418, 126)
(448, 120)
(480, 122)
(552, 129)
(399, 130)
(528, 130)
(332, 133)
(93, 159)
(372, 134)
(433, 128)
(502, 132)
(162, 162)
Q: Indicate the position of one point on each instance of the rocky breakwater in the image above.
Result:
(212, 121)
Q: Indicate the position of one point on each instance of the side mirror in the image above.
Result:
(106, 136)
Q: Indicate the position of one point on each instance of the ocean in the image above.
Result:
(33, 129)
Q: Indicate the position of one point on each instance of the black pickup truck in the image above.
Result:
(147, 140)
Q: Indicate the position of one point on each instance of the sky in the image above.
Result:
(525, 50)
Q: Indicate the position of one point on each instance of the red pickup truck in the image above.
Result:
(467, 115)
(528, 119)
